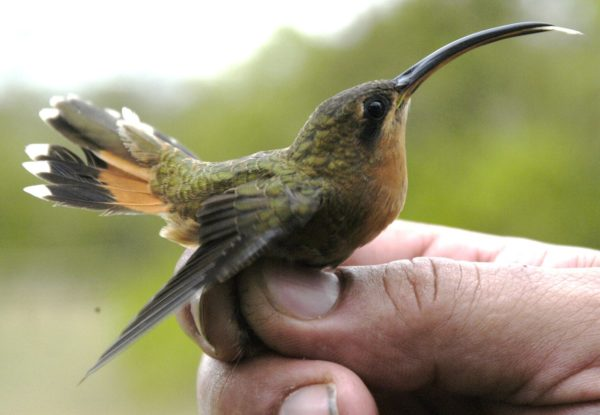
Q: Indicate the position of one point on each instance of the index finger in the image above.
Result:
(406, 240)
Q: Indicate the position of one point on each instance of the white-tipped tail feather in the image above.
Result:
(110, 178)
(37, 168)
(56, 99)
(48, 114)
(112, 112)
(39, 190)
(129, 115)
(34, 151)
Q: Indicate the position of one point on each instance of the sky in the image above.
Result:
(68, 44)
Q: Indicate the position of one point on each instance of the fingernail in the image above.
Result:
(313, 399)
(304, 293)
(196, 306)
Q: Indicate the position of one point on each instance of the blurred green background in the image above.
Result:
(504, 140)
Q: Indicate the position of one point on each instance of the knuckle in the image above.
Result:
(410, 285)
(430, 288)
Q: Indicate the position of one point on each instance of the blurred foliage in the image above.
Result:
(503, 140)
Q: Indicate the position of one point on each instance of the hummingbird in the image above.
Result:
(336, 187)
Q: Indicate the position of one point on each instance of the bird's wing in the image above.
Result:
(235, 228)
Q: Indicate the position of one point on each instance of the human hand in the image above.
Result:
(482, 324)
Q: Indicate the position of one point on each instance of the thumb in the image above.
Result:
(472, 328)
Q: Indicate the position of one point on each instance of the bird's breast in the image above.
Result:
(353, 212)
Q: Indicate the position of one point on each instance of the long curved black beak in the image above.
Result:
(408, 81)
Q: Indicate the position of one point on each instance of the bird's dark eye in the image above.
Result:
(375, 108)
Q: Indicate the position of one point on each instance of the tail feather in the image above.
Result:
(61, 172)
(50, 152)
(86, 125)
(96, 130)
(80, 196)
(119, 155)
(76, 183)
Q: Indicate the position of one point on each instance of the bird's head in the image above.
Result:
(366, 123)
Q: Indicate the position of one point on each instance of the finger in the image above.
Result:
(527, 333)
(405, 240)
(211, 320)
(277, 385)
(585, 408)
